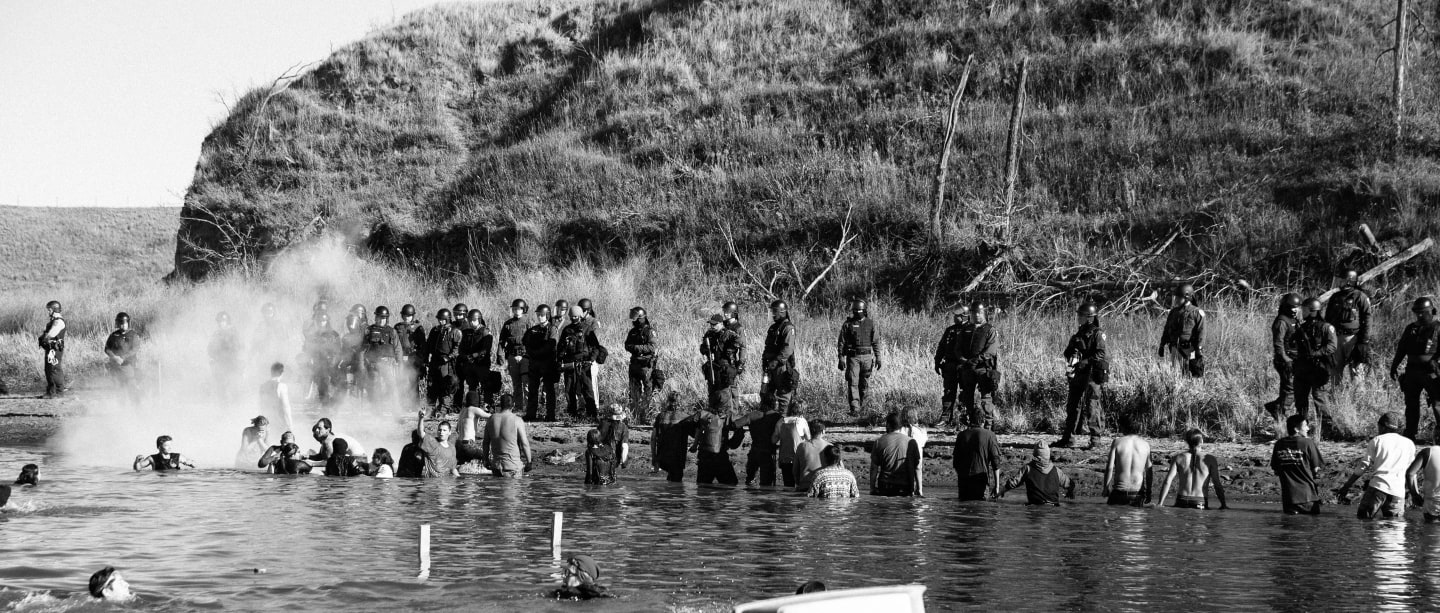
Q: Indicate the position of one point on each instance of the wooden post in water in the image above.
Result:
(555, 527)
(424, 550)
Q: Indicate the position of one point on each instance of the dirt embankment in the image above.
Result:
(1245, 467)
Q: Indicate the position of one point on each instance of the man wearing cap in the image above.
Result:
(120, 350)
(859, 353)
(52, 342)
(1387, 460)
(1416, 349)
(722, 350)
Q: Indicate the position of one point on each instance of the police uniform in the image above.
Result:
(1417, 348)
(949, 370)
(322, 347)
(512, 356)
(722, 368)
(540, 341)
(52, 341)
(1283, 344)
(476, 347)
(410, 339)
(1088, 376)
(380, 352)
(576, 349)
(859, 350)
(777, 361)
(1182, 336)
(1348, 310)
(123, 344)
(640, 343)
(975, 359)
(1315, 351)
(441, 347)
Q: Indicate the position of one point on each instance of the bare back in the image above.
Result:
(1129, 462)
(469, 422)
(504, 438)
(1192, 471)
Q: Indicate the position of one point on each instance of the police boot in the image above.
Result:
(1064, 442)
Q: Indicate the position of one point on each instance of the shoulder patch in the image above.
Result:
(1102, 336)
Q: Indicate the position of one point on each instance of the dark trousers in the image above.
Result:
(55, 381)
(441, 382)
(518, 367)
(714, 467)
(1287, 386)
(857, 380)
(471, 378)
(949, 385)
(1412, 384)
(974, 487)
(1312, 394)
(770, 394)
(1079, 405)
(413, 376)
(787, 474)
(579, 392)
(722, 383)
(760, 461)
(377, 378)
(640, 389)
(972, 397)
(544, 376)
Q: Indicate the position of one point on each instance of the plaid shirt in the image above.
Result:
(834, 482)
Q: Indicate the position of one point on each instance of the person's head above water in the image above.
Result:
(1194, 438)
(580, 569)
(107, 584)
(29, 475)
(892, 422)
(810, 586)
(830, 456)
(163, 443)
(592, 438)
(287, 437)
(321, 429)
(277, 369)
(340, 448)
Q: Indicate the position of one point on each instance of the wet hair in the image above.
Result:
(287, 464)
(507, 402)
(277, 369)
(164, 438)
(830, 456)
(910, 417)
(1293, 422)
(100, 580)
(289, 434)
(444, 423)
(415, 438)
(592, 438)
(795, 408)
(260, 420)
(810, 586)
(1389, 422)
(339, 447)
(382, 456)
(29, 475)
(325, 421)
(817, 428)
(892, 422)
(1193, 437)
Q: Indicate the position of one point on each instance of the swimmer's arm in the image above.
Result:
(142, 462)
(1214, 478)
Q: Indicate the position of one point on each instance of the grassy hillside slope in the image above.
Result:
(45, 248)
(467, 136)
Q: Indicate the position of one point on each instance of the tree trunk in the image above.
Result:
(936, 231)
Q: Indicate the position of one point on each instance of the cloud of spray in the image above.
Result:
(181, 395)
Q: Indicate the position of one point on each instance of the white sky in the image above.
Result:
(104, 103)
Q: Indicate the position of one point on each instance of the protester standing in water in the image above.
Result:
(439, 449)
(669, 439)
(976, 459)
(254, 440)
(275, 396)
(1196, 472)
(1043, 481)
(1127, 472)
(163, 461)
(894, 462)
(1387, 460)
(506, 445)
(1296, 461)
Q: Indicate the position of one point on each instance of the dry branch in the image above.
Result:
(1012, 148)
(952, 121)
(1385, 266)
(845, 239)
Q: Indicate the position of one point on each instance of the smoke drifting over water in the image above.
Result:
(182, 392)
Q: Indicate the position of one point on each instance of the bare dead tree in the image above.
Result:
(943, 167)
(1399, 85)
(778, 271)
(1012, 149)
(845, 239)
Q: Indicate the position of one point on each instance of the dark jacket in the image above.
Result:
(779, 345)
(640, 342)
(858, 337)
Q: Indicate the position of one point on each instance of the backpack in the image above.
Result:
(1344, 307)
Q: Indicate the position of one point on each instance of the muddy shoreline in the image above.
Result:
(31, 421)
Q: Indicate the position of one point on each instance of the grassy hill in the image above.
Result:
(44, 248)
(471, 136)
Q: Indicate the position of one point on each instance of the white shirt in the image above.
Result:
(1387, 458)
(1430, 482)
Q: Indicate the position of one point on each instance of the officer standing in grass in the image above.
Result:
(859, 353)
(1417, 348)
(511, 354)
(578, 349)
(322, 347)
(561, 318)
(945, 364)
(1089, 371)
(410, 336)
(1315, 351)
(120, 350)
(640, 344)
(52, 342)
(731, 311)
(441, 347)
(224, 352)
(476, 348)
(1184, 332)
(723, 364)
(1349, 312)
(777, 361)
(1282, 342)
(974, 356)
(593, 327)
(540, 341)
(380, 352)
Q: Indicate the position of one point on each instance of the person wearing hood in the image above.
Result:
(579, 579)
(1042, 479)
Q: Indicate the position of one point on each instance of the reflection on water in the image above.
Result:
(193, 541)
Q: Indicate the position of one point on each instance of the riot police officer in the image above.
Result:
(1282, 341)
(977, 364)
(778, 378)
(859, 353)
(1348, 310)
(1089, 370)
(1184, 332)
(441, 348)
(380, 353)
(410, 335)
(120, 350)
(577, 349)
(1416, 349)
(593, 326)
(945, 365)
(640, 344)
(224, 352)
(322, 349)
(52, 342)
(511, 354)
(476, 351)
(724, 362)
(540, 340)
(348, 372)
(1315, 351)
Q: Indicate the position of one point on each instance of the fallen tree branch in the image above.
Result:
(1385, 266)
(729, 237)
(845, 239)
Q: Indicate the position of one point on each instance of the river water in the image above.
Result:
(191, 541)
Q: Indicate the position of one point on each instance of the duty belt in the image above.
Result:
(854, 351)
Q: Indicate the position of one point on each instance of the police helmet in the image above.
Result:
(960, 312)
(520, 304)
(638, 312)
(587, 305)
(407, 310)
(443, 314)
(459, 310)
(977, 307)
(352, 321)
(577, 311)
(1087, 310)
(357, 309)
(1423, 304)
(858, 306)
(122, 316)
(562, 305)
(1311, 305)
(382, 312)
(729, 307)
(474, 314)
(543, 309)
(1184, 290)
(1290, 301)
(779, 305)
(53, 306)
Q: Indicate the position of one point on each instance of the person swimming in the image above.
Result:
(29, 475)
(579, 579)
(166, 460)
(107, 584)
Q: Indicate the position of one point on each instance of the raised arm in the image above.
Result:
(269, 457)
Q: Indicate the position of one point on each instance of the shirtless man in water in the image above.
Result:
(506, 446)
(468, 446)
(1127, 472)
(1196, 470)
